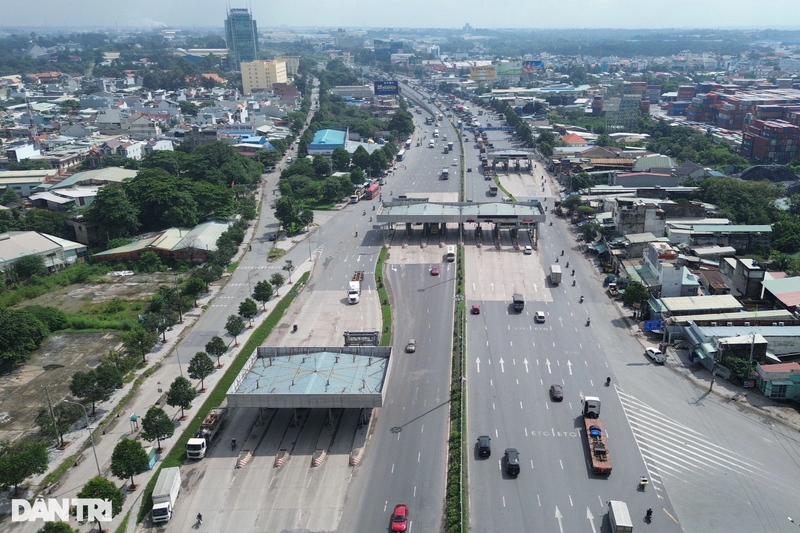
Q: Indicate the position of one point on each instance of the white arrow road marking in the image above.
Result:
(525, 362)
(502, 368)
(478, 363)
(590, 518)
(559, 517)
(547, 363)
(569, 364)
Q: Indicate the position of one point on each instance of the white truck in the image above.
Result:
(445, 173)
(165, 493)
(197, 446)
(354, 292)
(619, 517)
(555, 274)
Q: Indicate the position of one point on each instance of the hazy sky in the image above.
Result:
(72, 14)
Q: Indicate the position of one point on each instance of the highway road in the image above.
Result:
(406, 453)
(713, 468)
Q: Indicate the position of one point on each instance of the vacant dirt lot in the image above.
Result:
(22, 390)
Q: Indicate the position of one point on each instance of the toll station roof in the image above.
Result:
(400, 211)
(312, 377)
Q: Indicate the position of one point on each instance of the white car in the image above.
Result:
(656, 355)
(455, 162)
(527, 250)
(539, 317)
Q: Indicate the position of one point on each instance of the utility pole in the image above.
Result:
(714, 369)
(52, 415)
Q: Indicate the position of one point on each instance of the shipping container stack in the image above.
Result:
(703, 108)
(687, 92)
(771, 141)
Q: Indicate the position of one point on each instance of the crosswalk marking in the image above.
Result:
(671, 448)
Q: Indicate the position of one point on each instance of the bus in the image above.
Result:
(401, 154)
(373, 191)
(408, 144)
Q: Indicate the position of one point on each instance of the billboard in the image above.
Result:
(509, 68)
(532, 66)
(487, 73)
(386, 88)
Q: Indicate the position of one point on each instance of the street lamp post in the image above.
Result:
(91, 435)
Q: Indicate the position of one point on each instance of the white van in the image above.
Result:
(451, 254)
(435, 133)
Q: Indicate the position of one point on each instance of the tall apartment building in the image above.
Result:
(241, 34)
(292, 64)
(262, 74)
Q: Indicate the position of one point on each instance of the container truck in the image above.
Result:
(165, 494)
(197, 446)
(555, 274)
(596, 436)
(354, 292)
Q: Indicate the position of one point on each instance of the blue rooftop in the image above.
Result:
(329, 137)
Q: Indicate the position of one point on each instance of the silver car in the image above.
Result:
(656, 355)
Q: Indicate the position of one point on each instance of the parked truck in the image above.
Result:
(354, 292)
(197, 446)
(619, 517)
(492, 190)
(165, 494)
(519, 302)
(596, 436)
(555, 274)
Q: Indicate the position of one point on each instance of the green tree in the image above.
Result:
(341, 159)
(21, 460)
(322, 166)
(277, 280)
(377, 161)
(96, 385)
(20, 333)
(263, 292)
(44, 221)
(402, 122)
(114, 212)
(216, 347)
(53, 319)
(195, 287)
(157, 425)
(636, 293)
(9, 196)
(59, 527)
(361, 158)
(29, 266)
(248, 309)
(357, 176)
(138, 341)
(180, 394)
(101, 488)
(234, 326)
(188, 108)
(65, 415)
(129, 459)
(200, 367)
(286, 212)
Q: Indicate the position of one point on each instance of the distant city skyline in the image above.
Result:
(69, 15)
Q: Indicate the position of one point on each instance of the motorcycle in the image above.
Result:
(581, 298)
(608, 382)
(356, 234)
(588, 321)
(573, 271)
(233, 444)
(648, 515)
(370, 219)
(573, 282)
(643, 483)
(568, 265)
(364, 213)
(373, 208)
(199, 519)
(551, 222)
(294, 328)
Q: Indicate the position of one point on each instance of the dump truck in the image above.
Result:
(519, 302)
(555, 274)
(492, 190)
(165, 494)
(596, 436)
(197, 446)
(354, 291)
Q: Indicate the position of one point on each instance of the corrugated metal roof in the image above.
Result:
(732, 228)
(782, 286)
(699, 303)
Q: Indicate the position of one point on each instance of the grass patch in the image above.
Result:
(321, 205)
(386, 309)
(275, 254)
(117, 313)
(455, 499)
(177, 454)
(38, 286)
(497, 181)
(233, 266)
(124, 525)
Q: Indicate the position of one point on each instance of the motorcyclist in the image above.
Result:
(364, 213)
(588, 321)
(608, 381)
(370, 219)
(567, 264)
(649, 513)
(573, 282)
(233, 443)
(643, 482)
(373, 208)
(200, 518)
(581, 298)
(573, 271)
(562, 252)
(356, 234)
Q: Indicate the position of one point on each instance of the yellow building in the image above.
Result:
(262, 74)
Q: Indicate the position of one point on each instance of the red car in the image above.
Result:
(434, 270)
(476, 309)
(400, 517)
